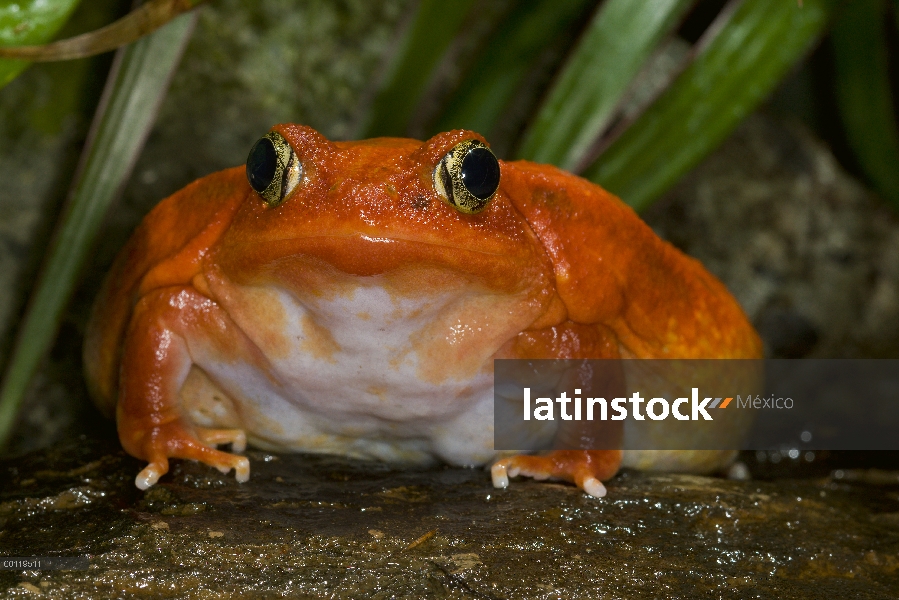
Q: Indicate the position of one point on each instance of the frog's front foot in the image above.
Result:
(585, 468)
(173, 440)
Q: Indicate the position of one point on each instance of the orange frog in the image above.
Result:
(350, 298)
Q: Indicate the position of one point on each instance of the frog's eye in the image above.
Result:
(273, 168)
(468, 176)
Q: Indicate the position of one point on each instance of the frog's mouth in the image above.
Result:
(363, 255)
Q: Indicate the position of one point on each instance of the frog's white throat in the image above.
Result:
(362, 369)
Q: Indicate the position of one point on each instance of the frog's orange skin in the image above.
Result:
(362, 315)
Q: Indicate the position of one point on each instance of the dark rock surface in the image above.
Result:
(307, 526)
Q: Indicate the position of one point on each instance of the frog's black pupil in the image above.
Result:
(262, 164)
(480, 173)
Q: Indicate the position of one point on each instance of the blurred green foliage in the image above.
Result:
(863, 92)
(26, 22)
(583, 118)
(145, 18)
(435, 24)
(491, 83)
(728, 78)
(616, 44)
(70, 87)
(741, 57)
(134, 92)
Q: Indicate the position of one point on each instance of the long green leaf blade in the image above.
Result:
(863, 93)
(435, 24)
(29, 22)
(761, 40)
(131, 100)
(619, 39)
(491, 83)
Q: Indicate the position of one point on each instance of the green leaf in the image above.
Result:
(760, 41)
(144, 19)
(861, 73)
(496, 76)
(29, 22)
(130, 102)
(578, 108)
(435, 25)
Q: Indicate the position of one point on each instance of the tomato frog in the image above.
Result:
(350, 298)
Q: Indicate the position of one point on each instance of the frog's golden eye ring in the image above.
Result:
(273, 168)
(467, 177)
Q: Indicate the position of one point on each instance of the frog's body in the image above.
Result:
(362, 314)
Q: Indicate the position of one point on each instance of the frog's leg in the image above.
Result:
(166, 325)
(585, 468)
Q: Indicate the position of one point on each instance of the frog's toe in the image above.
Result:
(151, 474)
(241, 468)
(217, 437)
(499, 472)
(594, 487)
(223, 461)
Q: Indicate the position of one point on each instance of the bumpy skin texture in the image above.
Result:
(361, 316)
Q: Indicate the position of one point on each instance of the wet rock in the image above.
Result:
(313, 526)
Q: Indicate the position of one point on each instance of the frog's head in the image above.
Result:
(388, 245)
(375, 206)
